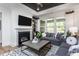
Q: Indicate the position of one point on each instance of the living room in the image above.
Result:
(51, 21)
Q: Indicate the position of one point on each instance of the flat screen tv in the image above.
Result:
(24, 21)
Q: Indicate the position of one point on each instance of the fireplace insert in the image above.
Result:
(23, 37)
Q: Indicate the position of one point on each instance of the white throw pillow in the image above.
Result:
(43, 34)
(71, 40)
(73, 47)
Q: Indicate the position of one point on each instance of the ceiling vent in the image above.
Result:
(69, 12)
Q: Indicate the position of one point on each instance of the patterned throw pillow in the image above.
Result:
(59, 36)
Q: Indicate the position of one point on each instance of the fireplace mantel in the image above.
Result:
(24, 28)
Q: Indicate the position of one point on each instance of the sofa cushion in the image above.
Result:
(52, 35)
(59, 36)
(65, 45)
(48, 38)
(62, 51)
(47, 34)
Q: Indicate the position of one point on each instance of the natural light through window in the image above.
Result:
(60, 25)
(50, 26)
(53, 25)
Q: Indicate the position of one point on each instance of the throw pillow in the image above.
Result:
(43, 34)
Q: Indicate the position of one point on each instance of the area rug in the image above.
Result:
(17, 52)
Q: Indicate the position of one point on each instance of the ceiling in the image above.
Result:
(41, 6)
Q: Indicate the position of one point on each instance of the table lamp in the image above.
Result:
(73, 30)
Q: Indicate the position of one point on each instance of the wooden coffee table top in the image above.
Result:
(36, 46)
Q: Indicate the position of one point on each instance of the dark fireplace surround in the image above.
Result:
(23, 37)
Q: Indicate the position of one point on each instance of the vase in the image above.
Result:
(35, 40)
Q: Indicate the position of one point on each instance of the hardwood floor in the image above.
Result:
(6, 49)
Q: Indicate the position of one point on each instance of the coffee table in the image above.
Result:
(41, 48)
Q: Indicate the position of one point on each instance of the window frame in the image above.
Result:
(59, 20)
(54, 22)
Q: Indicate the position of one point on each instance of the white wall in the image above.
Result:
(0, 29)
(17, 10)
(6, 13)
(71, 19)
(10, 14)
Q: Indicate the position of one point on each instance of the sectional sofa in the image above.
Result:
(55, 39)
(59, 40)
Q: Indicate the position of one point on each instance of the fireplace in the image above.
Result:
(23, 34)
(23, 37)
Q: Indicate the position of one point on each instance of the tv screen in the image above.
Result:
(24, 21)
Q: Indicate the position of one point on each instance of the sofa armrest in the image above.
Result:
(65, 45)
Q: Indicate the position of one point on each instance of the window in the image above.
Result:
(42, 26)
(50, 26)
(60, 26)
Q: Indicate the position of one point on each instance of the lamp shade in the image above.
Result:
(73, 30)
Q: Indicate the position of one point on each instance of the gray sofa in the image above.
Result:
(60, 41)
(56, 40)
(63, 50)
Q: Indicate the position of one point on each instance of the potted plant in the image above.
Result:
(39, 35)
